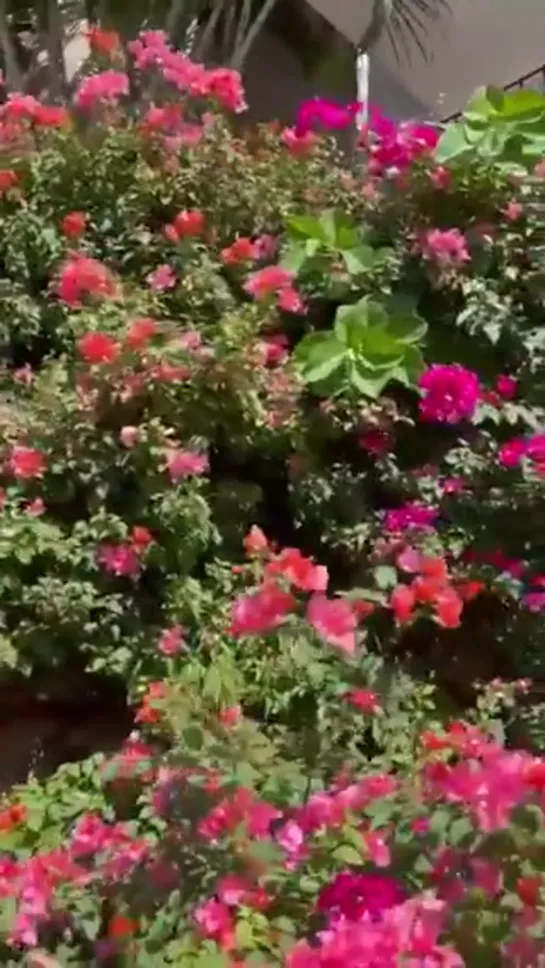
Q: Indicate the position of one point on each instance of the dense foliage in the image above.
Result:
(273, 451)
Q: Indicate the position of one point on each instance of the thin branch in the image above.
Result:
(239, 56)
(206, 37)
(174, 17)
(243, 23)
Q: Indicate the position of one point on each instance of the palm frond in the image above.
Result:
(408, 24)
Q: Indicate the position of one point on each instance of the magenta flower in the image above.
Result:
(334, 621)
(161, 278)
(451, 393)
(413, 515)
(350, 896)
(511, 453)
(323, 113)
(119, 559)
(185, 463)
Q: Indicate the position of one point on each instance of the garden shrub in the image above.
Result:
(273, 453)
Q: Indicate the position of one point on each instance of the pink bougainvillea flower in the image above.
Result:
(447, 249)
(187, 224)
(26, 463)
(162, 278)
(450, 393)
(513, 211)
(98, 348)
(119, 559)
(275, 349)
(448, 607)
(535, 450)
(186, 463)
(510, 453)
(290, 301)
(230, 716)
(107, 87)
(261, 611)
(324, 113)
(299, 570)
(506, 386)
(81, 276)
(172, 641)
(213, 920)
(141, 538)
(352, 895)
(334, 621)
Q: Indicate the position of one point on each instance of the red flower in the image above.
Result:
(529, 890)
(448, 608)
(13, 816)
(189, 223)
(73, 225)
(26, 463)
(8, 179)
(141, 538)
(98, 348)
(364, 700)
(121, 927)
(103, 42)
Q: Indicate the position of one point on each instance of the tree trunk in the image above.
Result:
(243, 48)
(55, 50)
(14, 76)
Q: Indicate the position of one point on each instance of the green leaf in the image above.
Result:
(294, 257)
(407, 329)
(307, 227)
(358, 260)
(347, 854)
(365, 380)
(385, 577)
(318, 356)
(339, 230)
(452, 144)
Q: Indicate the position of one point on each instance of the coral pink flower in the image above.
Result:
(376, 442)
(261, 611)
(402, 602)
(255, 542)
(98, 348)
(81, 276)
(451, 393)
(513, 211)
(241, 250)
(334, 621)
(448, 608)
(298, 570)
(161, 279)
(140, 332)
(103, 42)
(185, 463)
(447, 249)
(290, 301)
(26, 463)
(105, 88)
(275, 349)
(189, 223)
(299, 145)
(73, 224)
(171, 641)
(269, 281)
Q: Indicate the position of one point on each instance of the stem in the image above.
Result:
(240, 55)
(379, 18)
(243, 22)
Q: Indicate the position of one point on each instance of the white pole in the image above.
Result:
(362, 87)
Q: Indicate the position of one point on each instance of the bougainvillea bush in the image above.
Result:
(273, 453)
